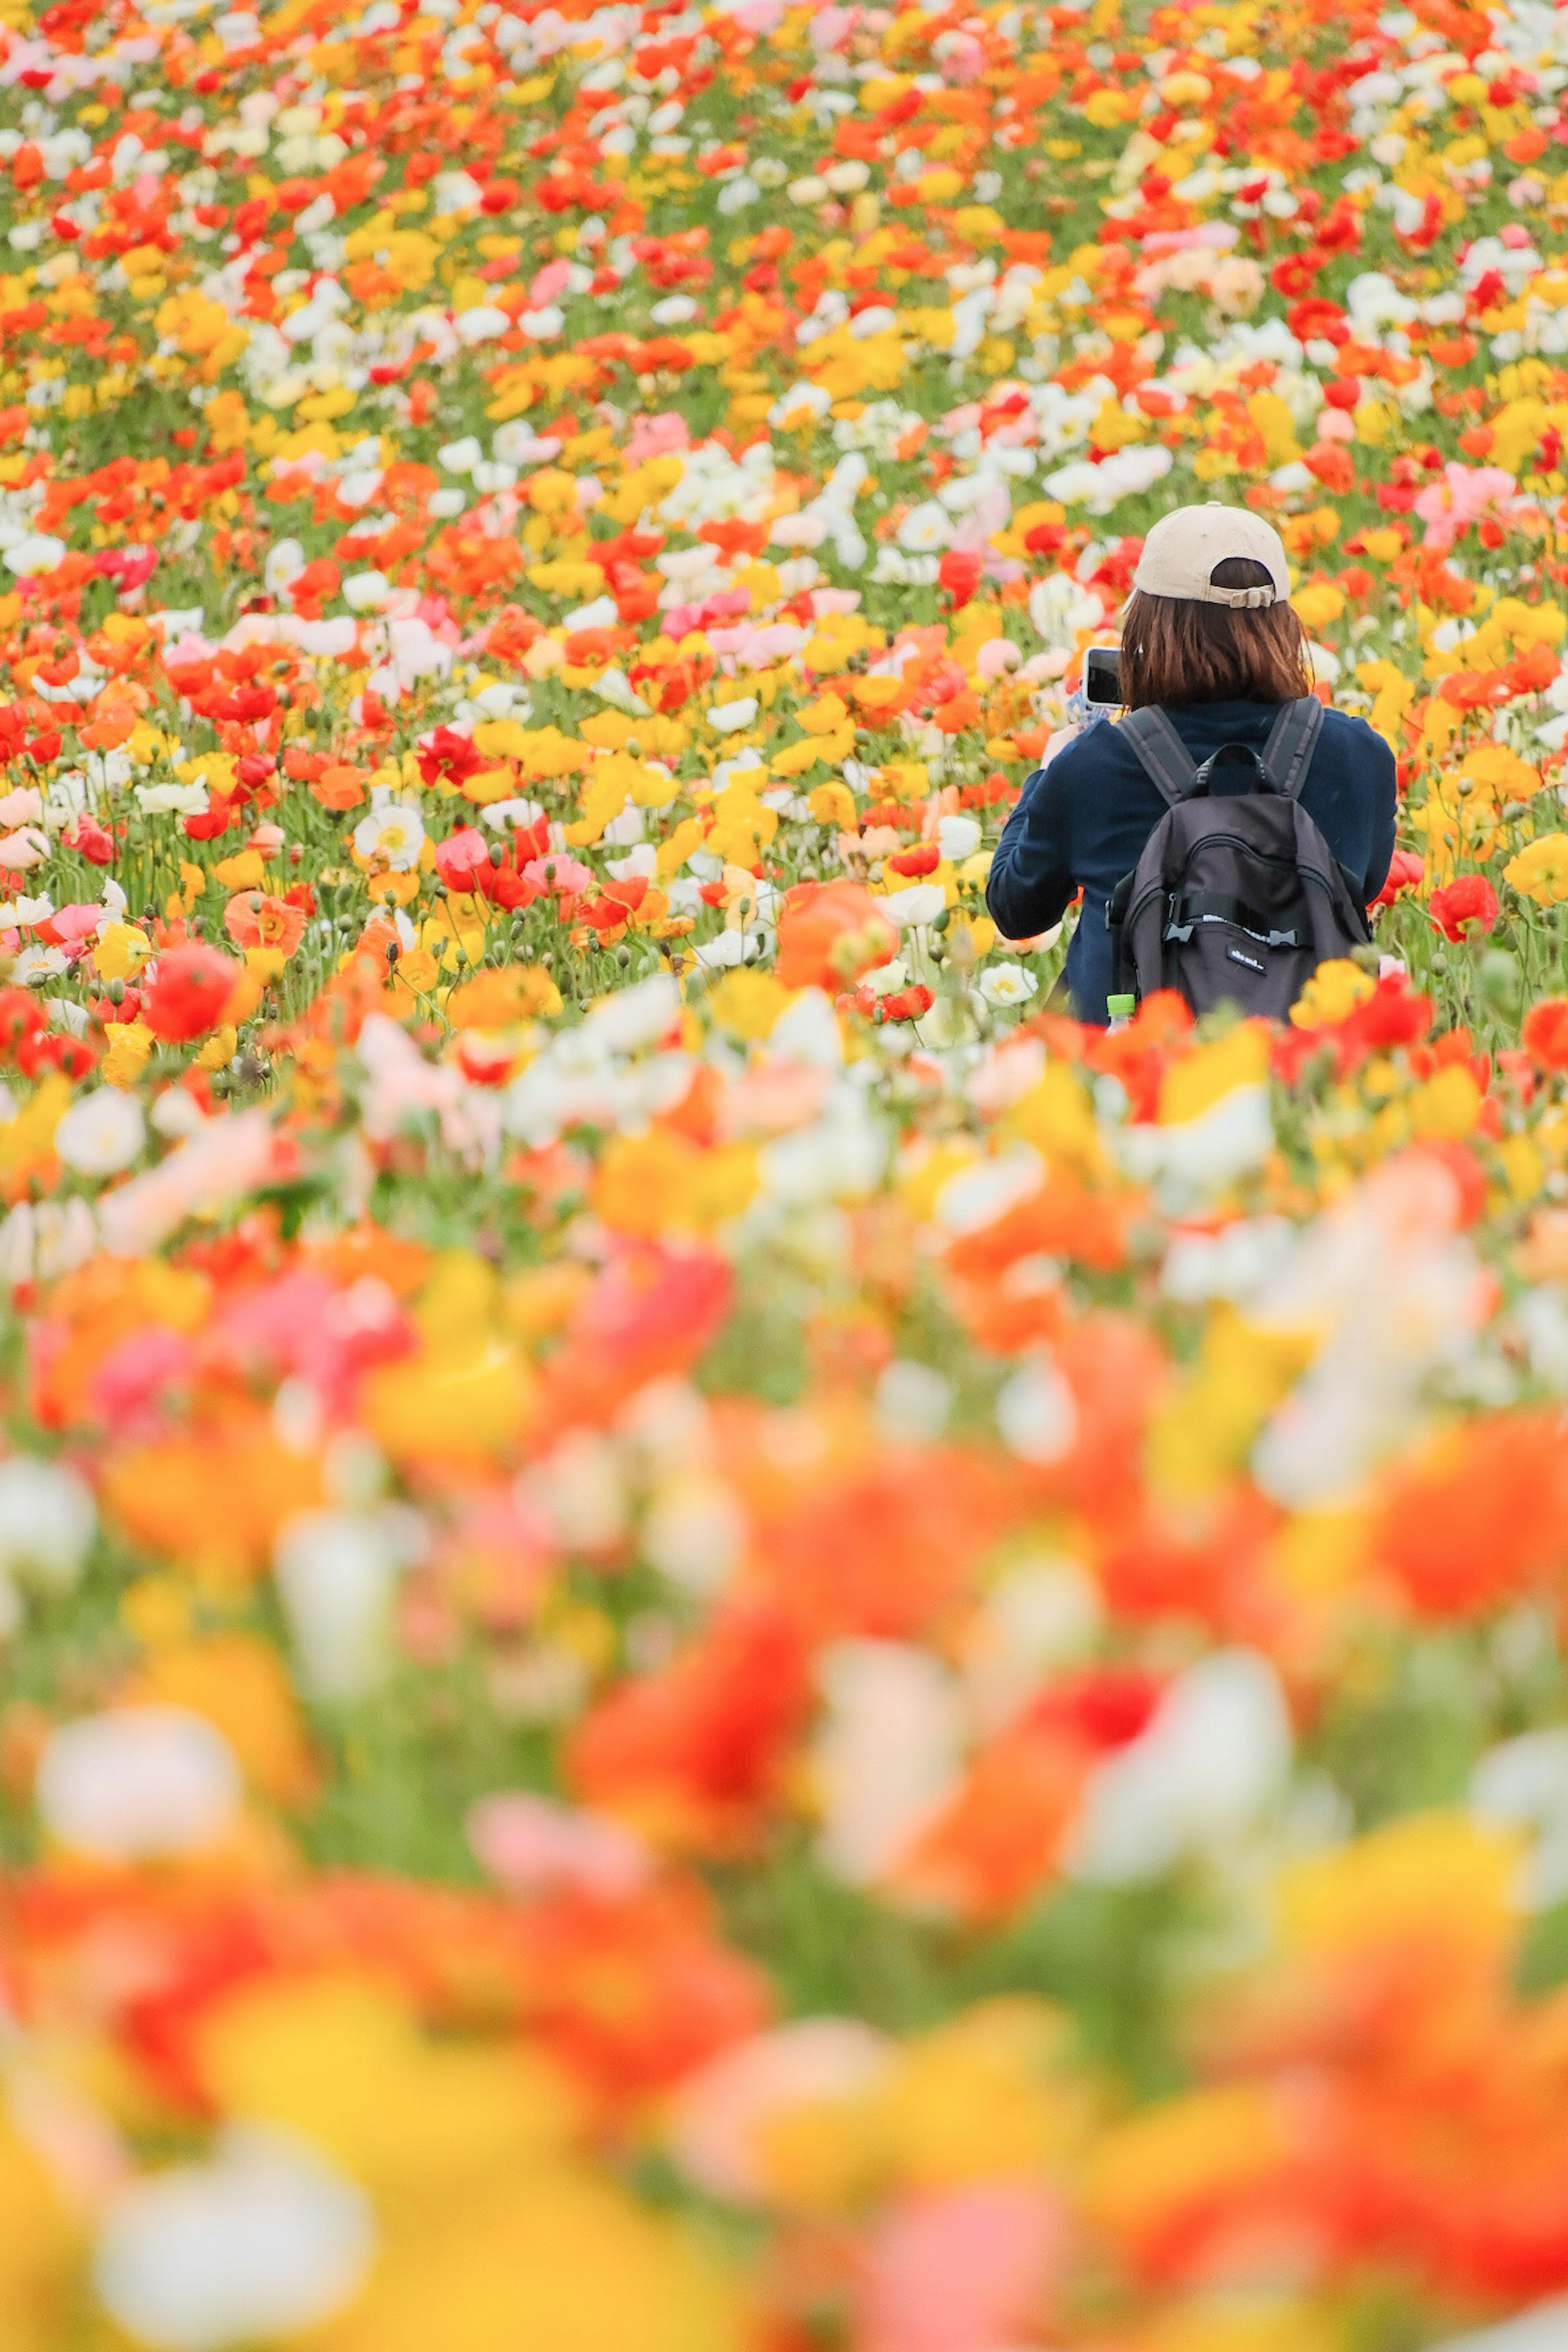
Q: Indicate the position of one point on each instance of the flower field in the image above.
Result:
(714, 1638)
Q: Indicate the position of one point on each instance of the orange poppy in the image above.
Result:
(255, 919)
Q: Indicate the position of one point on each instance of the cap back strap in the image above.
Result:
(1241, 600)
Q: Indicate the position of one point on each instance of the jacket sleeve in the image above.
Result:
(1031, 882)
(1385, 822)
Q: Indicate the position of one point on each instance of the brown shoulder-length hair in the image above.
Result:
(1175, 651)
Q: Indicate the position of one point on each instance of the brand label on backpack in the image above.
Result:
(1238, 956)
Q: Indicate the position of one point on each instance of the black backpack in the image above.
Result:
(1236, 897)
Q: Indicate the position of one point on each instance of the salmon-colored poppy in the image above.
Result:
(257, 918)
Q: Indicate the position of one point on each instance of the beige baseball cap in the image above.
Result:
(1181, 551)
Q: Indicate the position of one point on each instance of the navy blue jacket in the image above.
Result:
(1084, 820)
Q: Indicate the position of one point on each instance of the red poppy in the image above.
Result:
(1405, 873)
(1393, 1014)
(22, 1017)
(692, 1750)
(960, 572)
(1544, 1035)
(193, 986)
(88, 839)
(1294, 275)
(912, 1004)
(205, 824)
(1469, 898)
(56, 1049)
(924, 858)
(445, 754)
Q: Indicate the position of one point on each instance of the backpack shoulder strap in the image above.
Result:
(1292, 739)
(1160, 752)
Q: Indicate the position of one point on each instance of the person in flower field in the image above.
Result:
(1230, 832)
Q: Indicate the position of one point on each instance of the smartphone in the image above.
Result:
(1103, 674)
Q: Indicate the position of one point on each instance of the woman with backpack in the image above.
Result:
(1229, 832)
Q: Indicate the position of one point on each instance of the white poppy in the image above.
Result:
(35, 964)
(38, 552)
(925, 527)
(630, 1019)
(1202, 1155)
(695, 1531)
(1202, 1775)
(394, 831)
(336, 1571)
(1007, 983)
(730, 948)
(482, 322)
(1542, 2329)
(263, 2241)
(101, 1132)
(599, 614)
(917, 903)
(21, 911)
(138, 1781)
(800, 402)
(499, 815)
(1036, 1411)
(729, 716)
(285, 561)
(47, 1516)
(171, 799)
(913, 1401)
(365, 592)
(359, 486)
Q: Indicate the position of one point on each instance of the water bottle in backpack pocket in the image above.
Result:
(1236, 897)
